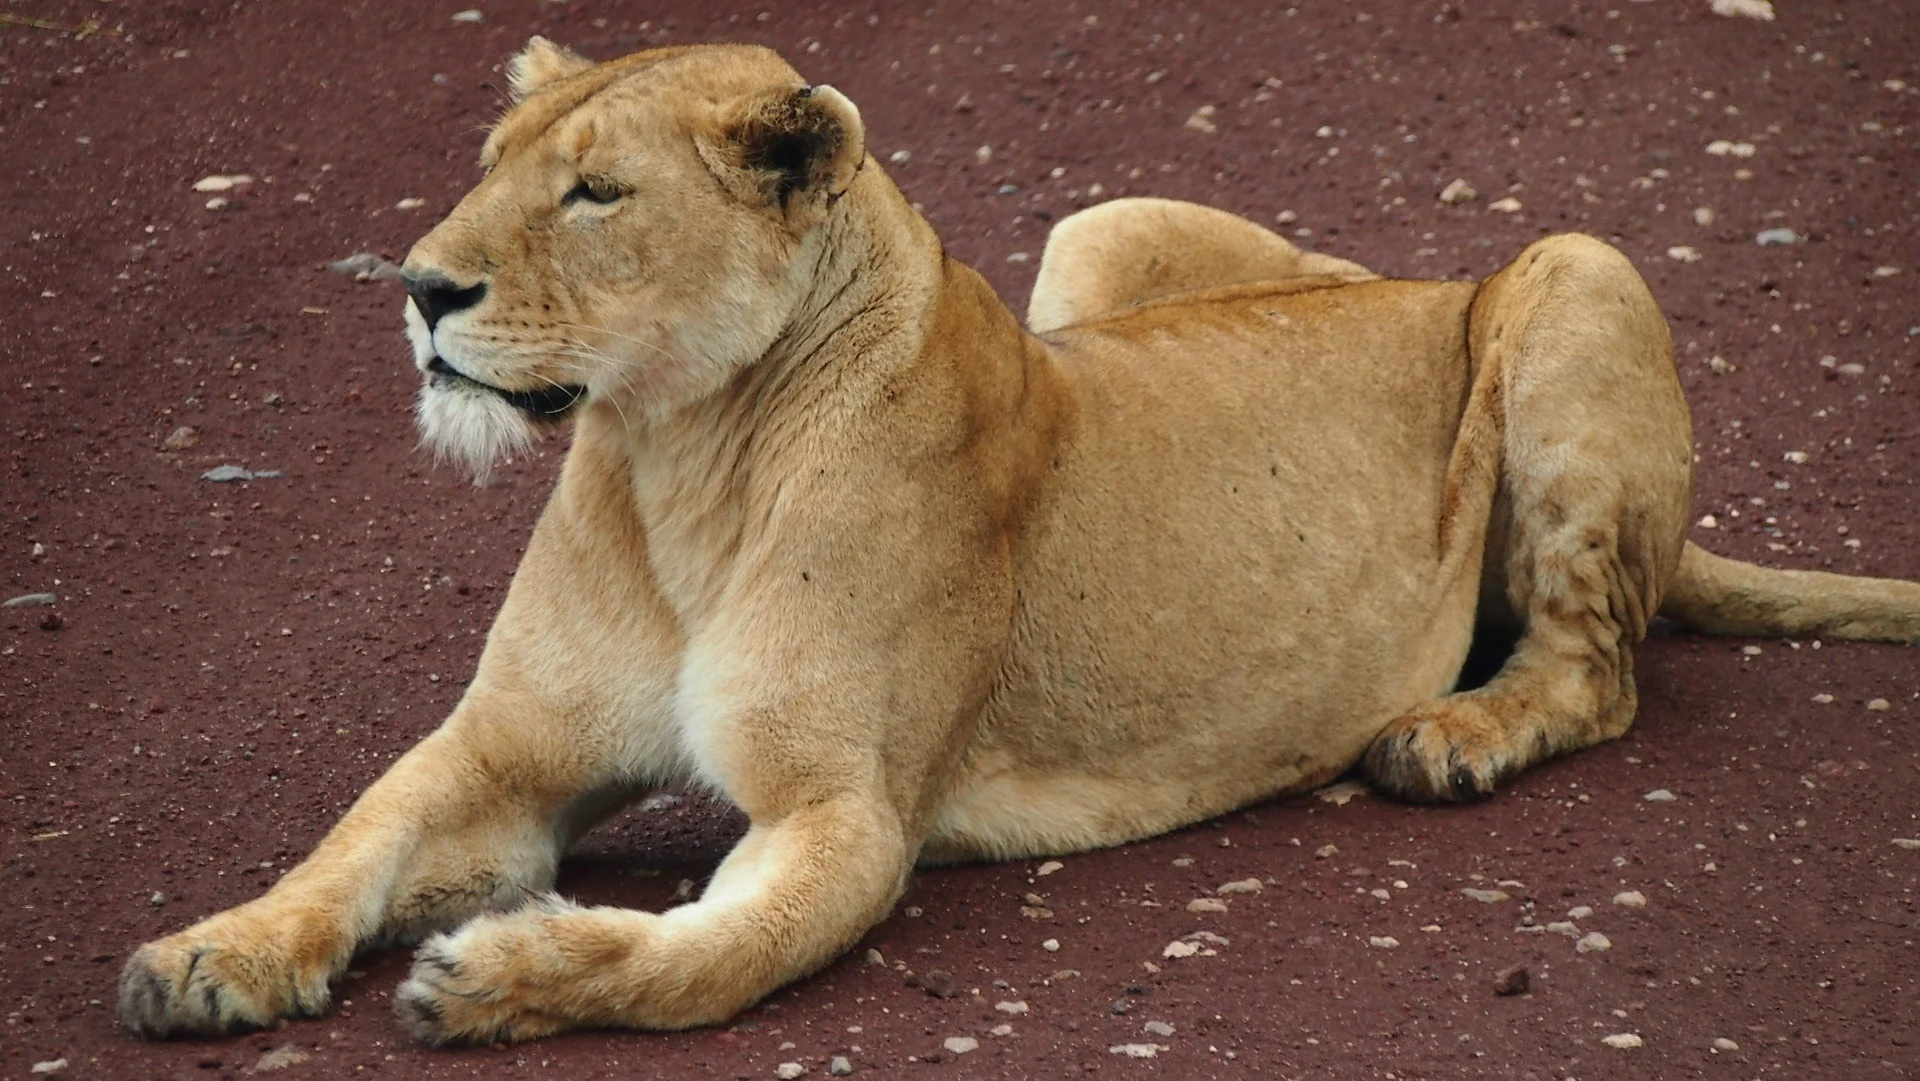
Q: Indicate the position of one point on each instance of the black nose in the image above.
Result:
(436, 295)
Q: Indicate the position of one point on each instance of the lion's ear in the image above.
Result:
(790, 150)
(540, 63)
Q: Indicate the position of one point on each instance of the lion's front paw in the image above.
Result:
(235, 972)
(490, 981)
(1441, 752)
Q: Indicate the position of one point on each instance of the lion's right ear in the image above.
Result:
(540, 63)
(791, 150)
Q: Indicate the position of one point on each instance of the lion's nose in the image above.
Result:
(436, 295)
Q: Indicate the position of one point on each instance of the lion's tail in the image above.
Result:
(1725, 596)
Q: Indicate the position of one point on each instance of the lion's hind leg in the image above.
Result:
(1129, 251)
(1595, 482)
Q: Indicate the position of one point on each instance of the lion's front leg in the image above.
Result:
(464, 822)
(799, 890)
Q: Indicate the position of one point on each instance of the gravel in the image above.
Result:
(1624, 1041)
(26, 600)
(222, 474)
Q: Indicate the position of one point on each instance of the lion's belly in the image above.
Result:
(1232, 583)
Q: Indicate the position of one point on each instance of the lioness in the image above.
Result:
(838, 540)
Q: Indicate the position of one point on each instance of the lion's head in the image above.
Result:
(644, 228)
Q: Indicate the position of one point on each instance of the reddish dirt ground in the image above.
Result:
(229, 664)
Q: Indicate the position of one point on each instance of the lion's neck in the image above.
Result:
(708, 478)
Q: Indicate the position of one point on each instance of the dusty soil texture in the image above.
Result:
(229, 663)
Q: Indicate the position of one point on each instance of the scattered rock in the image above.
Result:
(1593, 942)
(1624, 1041)
(1014, 1008)
(1703, 215)
(157, 899)
(1047, 868)
(1202, 120)
(1719, 365)
(1457, 192)
(1579, 912)
(1721, 148)
(1135, 1050)
(937, 983)
(410, 203)
(1485, 897)
(221, 474)
(1630, 899)
(1744, 9)
(217, 183)
(1286, 217)
(25, 600)
(1051, 945)
(1384, 942)
(1326, 852)
(1206, 936)
(1681, 253)
(51, 621)
(875, 958)
(1244, 885)
(1509, 205)
(960, 1045)
(280, 1058)
(1000, 1030)
(1885, 271)
(1206, 904)
(49, 1067)
(365, 266)
(218, 202)
(1823, 698)
(1659, 795)
(1562, 927)
(1708, 521)
(1878, 705)
(473, 15)
(1512, 980)
(180, 438)
(839, 1066)
(1180, 949)
(1157, 1028)
(1721, 1043)
(1339, 794)
(1769, 238)
(1911, 844)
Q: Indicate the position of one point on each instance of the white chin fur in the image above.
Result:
(471, 426)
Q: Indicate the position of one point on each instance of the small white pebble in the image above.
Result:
(1206, 904)
(1708, 521)
(1051, 945)
(1702, 215)
(1630, 899)
(1909, 843)
(1047, 868)
(1624, 1041)
(1013, 1008)
(1134, 1050)
(1509, 205)
(1681, 253)
(1244, 885)
(472, 15)
(1157, 1028)
(1721, 1043)
(1659, 795)
(1579, 912)
(960, 1045)
(1383, 942)
(1879, 705)
(1823, 698)
(787, 1071)
(1593, 942)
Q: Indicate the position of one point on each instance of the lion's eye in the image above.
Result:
(595, 189)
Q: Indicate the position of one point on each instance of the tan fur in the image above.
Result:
(841, 542)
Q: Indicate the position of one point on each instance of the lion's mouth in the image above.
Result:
(547, 403)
